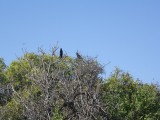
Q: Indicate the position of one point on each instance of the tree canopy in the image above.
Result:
(44, 86)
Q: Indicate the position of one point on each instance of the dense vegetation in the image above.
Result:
(51, 87)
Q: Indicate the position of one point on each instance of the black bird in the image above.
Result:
(78, 55)
(61, 53)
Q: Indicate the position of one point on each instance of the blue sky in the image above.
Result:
(124, 32)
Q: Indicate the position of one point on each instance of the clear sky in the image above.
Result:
(124, 32)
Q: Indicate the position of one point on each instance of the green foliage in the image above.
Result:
(128, 99)
(56, 114)
(11, 111)
(2, 69)
(4, 96)
(2, 65)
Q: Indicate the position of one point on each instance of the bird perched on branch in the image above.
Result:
(78, 55)
(61, 53)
